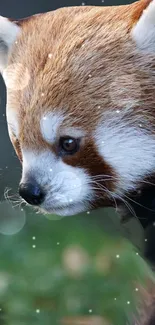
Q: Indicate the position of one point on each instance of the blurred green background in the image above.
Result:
(75, 270)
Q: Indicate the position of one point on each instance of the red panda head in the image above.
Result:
(80, 103)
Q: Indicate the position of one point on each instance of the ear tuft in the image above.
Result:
(8, 33)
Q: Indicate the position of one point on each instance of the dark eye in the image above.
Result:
(69, 145)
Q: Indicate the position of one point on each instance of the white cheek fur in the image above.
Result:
(65, 185)
(128, 150)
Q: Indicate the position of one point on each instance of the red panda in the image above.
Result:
(81, 105)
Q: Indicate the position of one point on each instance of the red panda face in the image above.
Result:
(79, 95)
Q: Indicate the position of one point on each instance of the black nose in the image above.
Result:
(31, 193)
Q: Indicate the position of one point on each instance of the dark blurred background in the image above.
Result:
(76, 270)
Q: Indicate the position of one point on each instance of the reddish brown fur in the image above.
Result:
(64, 79)
(138, 10)
(76, 38)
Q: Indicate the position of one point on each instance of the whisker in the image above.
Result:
(103, 177)
(137, 203)
(128, 205)
(147, 182)
(132, 200)
(15, 200)
(114, 196)
(104, 188)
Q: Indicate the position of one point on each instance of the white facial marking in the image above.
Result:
(67, 187)
(49, 125)
(12, 121)
(144, 31)
(129, 151)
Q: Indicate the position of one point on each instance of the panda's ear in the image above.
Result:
(8, 33)
(143, 31)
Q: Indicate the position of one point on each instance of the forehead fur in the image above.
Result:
(81, 61)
